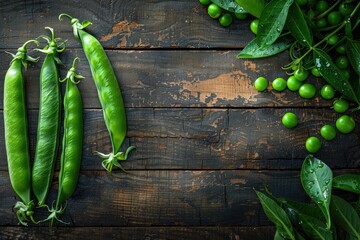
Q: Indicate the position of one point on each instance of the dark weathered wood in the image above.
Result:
(205, 137)
(136, 233)
(122, 24)
(146, 198)
(166, 198)
(178, 79)
(199, 138)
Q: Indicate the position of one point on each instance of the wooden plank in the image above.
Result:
(166, 198)
(195, 138)
(135, 233)
(179, 79)
(146, 198)
(123, 24)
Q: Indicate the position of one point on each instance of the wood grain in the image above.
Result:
(196, 138)
(179, 79)
(166, 198)
(205, 137)
(122, 24)
(136, 233)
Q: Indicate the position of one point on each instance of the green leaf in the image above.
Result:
(276, 215)
(356, 206)
(309, 217)
(353, 53)
(316, 179)
(272, 21)
(253, 50)
(345, 216)
(254, 7)
(298, 236)
(333, 75)
(298, 27)
(314, 228)
(229, 5)
(348, 182)
(303, 208)
(278, 237)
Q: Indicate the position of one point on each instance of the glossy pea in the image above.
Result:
(48, 131)
(108, 90)
(16, 133)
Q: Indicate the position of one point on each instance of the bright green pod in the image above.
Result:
(109, 93)
(72, 138)
(48, 131)
(16, 133)
(71, 144)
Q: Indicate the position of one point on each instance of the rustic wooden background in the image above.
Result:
(205, 137)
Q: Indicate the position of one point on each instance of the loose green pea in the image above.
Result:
(279, 84)
(328, 132)
(293, 84)
(307, 90)
(261, 84)
(341, 105)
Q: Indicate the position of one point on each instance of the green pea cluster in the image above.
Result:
(295, 83)
(223, 12)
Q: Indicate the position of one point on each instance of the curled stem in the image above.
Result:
(54, 216)
(71, 74)
(75, 24)
(111, 159)
(22, 54)
(25, 212)
(54, 46)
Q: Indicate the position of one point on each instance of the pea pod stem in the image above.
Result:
(55, 213)
(71, 74)
(111, 160)
(25, 212)
(108, 90)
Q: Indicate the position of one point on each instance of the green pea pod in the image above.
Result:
(16, 133)
(109, 93)
(71, 143)
(254, 7)
(48, 121)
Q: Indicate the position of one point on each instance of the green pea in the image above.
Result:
(279, 84)
(293, 84)
(261, 84)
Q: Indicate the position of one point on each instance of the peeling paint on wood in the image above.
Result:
(122, 30)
